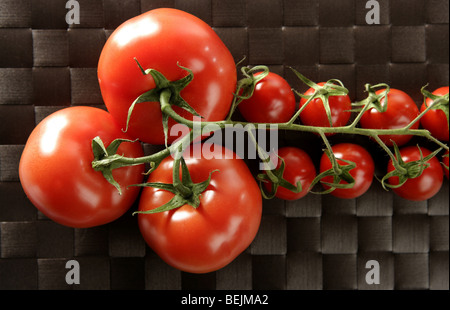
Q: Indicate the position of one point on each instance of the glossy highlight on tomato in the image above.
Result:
(164, 39)
(207, 238)
(435, 120)
(401, 111)
(424, 186)
(273, 101)
(56, 171)
(363, 172)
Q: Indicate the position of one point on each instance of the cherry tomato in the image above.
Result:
(362, 173)
(401, 111)
(298, 168)
(315, 115)
(56, 173)
(203, 239)
(427, 184)
(272, 101)
(162, 39)
(435, 121)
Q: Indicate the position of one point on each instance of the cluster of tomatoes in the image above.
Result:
(56, 170)
(56, 167)
(273, 101)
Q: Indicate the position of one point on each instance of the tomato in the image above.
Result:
(315, 115)
(435, 120)
(203, 239)
(424, 186)
(161, 39)
(298, 168)
(57, 176)
(363, 172)
(272, 101)
(401, 110)
(445, 163)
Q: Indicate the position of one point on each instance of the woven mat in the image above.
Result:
(319, 242)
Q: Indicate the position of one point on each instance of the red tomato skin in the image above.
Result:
(160, 39)
(298, 168)
(400, 112)
(435, 121)
(272, 101)
(56, 173)
(207, 238)
(363, 172)
(426, 185)
(314, 114)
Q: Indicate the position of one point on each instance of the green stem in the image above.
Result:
(182, 189)
(156, 158)
(418, 117)
(166, 109)
(333, 160)
(350, 129)
(297, 114)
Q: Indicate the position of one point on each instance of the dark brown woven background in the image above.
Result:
(319, 242)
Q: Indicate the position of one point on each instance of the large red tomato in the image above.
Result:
(435, 120)
(56, 171)
(203, 239)
(162, 39)
(424, 186)
(401, 111)
(363, 172)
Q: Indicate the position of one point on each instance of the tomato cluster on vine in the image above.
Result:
(396, 110)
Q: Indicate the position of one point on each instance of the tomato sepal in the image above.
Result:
(106, 159)
(275, 176)
(185, 191)
(165, 91)
(373, 99)
(338, 172)
(408, 170)
(246, 86)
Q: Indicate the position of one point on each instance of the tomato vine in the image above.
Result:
(167, 93)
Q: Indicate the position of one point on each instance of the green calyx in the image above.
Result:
(338, 172)
(246, 85)
(164, 90)
(185, 191)
(106, 159)
(275, 177)
(410, 170)
(373, 100)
